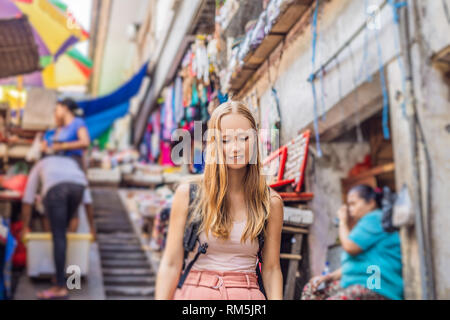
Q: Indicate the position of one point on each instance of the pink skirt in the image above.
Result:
(214, 285)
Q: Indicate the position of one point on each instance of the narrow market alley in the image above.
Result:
(224, 150)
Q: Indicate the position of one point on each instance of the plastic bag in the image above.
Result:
(387, 204)
(34, 153)
(403, 213)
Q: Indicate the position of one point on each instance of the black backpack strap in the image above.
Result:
(201, 250)
(190, 239)
(260, 260)
(189, 230)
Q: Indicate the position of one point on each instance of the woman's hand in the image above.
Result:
(342, 214)
(316, 281)
(57, 146)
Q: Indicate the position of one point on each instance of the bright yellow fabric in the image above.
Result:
(51, 24)
(63, 73)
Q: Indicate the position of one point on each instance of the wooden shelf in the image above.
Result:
(290, 256)
(390, 167)
(256, 58)
(23, 133)
(294, 230)
(296, 196)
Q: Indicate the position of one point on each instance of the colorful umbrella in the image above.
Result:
(71, 69)
(54, 29)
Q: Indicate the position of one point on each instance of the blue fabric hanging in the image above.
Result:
(222, 97)
(385, 121)
(98, 123)
(5, 274)
(118, 97)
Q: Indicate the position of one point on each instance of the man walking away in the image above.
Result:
(63, 184)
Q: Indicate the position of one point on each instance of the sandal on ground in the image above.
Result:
(50, 295)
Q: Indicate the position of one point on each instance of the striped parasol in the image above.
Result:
(55, 31)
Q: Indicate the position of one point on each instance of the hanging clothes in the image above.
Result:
(166, 158)
(168, 114)
(195, 97)
(178, 100)
(156, 134)
(200, 63)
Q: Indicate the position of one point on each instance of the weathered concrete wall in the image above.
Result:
(338, 21)
(430, 30)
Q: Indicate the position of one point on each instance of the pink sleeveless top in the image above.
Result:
(228, 255)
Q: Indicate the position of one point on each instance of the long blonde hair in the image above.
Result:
(210, 206)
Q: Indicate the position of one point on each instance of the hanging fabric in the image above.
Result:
(222, 97)
(148, 143)
(166, 158)
(118, 97)
(168, 114)
(200, 63)
(385, 121)
(156, 125)
(178, 100)
(8, 249)
(203, 103)
(98, 123)
(195, 97)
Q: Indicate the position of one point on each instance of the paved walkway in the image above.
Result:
(91, 287)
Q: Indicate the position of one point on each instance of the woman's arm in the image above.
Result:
(82, 142)
(271, 270)
(172, 259)
(344, 230)
(336, 275)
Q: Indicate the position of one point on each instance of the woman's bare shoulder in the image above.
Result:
(182, 192)
(276, 205)
(180, 202)
(274, 194)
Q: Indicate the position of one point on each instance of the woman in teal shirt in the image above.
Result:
(371, 264)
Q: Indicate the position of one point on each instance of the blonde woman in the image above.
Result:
(233, 205)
